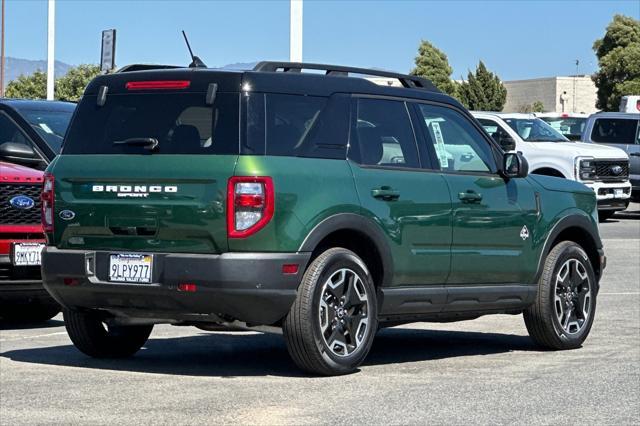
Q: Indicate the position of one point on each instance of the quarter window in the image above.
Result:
(458, 145)
(382, 135)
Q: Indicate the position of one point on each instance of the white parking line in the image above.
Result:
(620, 294)
(34, 337)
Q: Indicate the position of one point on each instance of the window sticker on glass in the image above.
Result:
(441, 151)
(46, 128)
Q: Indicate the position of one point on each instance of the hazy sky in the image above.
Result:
(516, 39)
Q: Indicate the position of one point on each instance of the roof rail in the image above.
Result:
(409, 81)
(146, 67)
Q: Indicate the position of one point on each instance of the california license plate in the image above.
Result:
(618, 192)
(27, 254)
(130, 268)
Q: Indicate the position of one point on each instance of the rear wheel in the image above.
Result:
(563, 312)
(91, 335)
(330, 327)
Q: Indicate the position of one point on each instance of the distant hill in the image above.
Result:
(15, 67)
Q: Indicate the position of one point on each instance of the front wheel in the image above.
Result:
(563, 312)
(92, 336)
(330, 327)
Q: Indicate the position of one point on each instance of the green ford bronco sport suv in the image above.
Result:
(319, 205)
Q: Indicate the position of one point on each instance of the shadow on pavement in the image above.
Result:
(237, 354)
(26, 324)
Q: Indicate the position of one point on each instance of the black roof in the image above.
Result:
(275, 77)
(38, 105)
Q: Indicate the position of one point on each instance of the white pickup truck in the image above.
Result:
(602, 168)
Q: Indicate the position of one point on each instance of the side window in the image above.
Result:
(459, 146)
(382, 134)
(496, 131)
(10, 132)
(295, 125)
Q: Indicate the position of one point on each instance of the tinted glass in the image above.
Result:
(494, 129)
(50, 125)
(292, 125)
(382, 135)
(615, 130)
(458, 145)
(10, 132)
(182, 123)
(569, 127)
(534, 130)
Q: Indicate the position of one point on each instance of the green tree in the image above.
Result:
(483, 90)
(432, 64)
(618, 55)
(537, 106)
(68, 88)
(72, 85)
(28, 87)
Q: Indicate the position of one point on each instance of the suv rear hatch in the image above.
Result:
(145, 163)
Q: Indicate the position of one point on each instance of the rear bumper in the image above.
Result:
(248, 287)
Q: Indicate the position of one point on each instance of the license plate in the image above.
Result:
(27, 254)
(130, 268)
(618, 192)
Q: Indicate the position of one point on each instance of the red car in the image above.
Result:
(31, 134)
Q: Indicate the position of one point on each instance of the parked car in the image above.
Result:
(630, 104)
(570, 125)
(31, 134)
(620, 130)
(320, 206)
(602, 168)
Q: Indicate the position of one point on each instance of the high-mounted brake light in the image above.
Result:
(157, 84)
(250, 205)
(47, 199)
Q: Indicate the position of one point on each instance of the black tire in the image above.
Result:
(604, 215)
(91, 336)
(556, 300)
(317, 303)
(31, 312)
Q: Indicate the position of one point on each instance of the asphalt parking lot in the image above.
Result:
(481, 371)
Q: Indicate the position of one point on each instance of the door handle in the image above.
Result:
(385, 193)
(470, 197)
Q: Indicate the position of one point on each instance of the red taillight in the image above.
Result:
(157, 84)
(638, 105)
(250, 205)
(47, 199)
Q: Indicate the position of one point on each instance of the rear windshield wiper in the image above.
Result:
(147, 143)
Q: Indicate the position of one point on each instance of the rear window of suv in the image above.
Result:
(616, 130)
(182, 123)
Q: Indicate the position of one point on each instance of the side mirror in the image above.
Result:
(18, 153)
(514, 165)
(507, 143)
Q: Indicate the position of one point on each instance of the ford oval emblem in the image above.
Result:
(22, 202)
(616, 170)
(67, 215)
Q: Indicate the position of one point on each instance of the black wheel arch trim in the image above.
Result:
(353, 222)
(571, 221)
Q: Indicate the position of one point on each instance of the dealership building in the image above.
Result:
(557, 94)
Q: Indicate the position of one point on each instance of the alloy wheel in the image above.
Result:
(572, 296)
(343, 312)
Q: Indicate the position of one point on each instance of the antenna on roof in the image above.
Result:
(195, 61)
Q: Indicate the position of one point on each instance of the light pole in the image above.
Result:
(51, 34)
(295, 34)
(2, 56)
